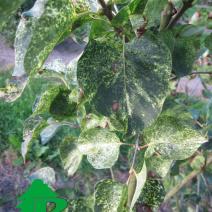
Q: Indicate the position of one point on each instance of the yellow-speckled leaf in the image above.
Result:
(110, 196)
(47, 31)
(172, 139)
(128, 81)
(101, 147)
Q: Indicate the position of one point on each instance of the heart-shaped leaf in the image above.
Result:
(133, 82)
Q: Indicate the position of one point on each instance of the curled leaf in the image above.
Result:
(47, 31)
(136, 183)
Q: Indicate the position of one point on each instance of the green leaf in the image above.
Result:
(8, 8)
(81, 34)
(44, 104)
(82, 204)
(131, 85)
(136, 183)
(83, 6)
(159, 165)
(100, 27)
(57, 103)
(184, 55)
(122, 17)
(80, 6)
(191, 30)
(46, 174)
(198, 162)
(52, 128)
(208, 42)
(137, 6)
(57, 72)
(94, 121)
(134, 7)
(168, 38)
(110, 196)
(45, 30)
(172, 139)
(32, 128)
(94, 5)
(48, 132)
(101, 147)
(153, 193)
(152, 12)
(14, 88)
(137, 21)
(70, 155)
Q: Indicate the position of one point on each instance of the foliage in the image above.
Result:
(112, 98)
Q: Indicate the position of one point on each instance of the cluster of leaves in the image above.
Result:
(113, 95)
(11, 130)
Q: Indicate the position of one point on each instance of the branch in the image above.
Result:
(137, 147)
(106, 10)
(112, 174)
(135, 152)
(201, 72)
(186, 5)
(186, 180)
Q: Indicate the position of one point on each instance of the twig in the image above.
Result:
(198, 192)
(106, 10)
(201, 72)
(186, 5)
(186, 180)
(112, 174)
(138, 147)
(135, 152)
